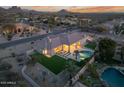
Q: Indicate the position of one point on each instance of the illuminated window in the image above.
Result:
(45, 51)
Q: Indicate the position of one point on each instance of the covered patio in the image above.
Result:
(68, 48)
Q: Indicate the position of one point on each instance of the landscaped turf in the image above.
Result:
(55, 63)
(91, 45)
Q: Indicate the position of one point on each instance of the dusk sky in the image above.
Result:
(80, 9)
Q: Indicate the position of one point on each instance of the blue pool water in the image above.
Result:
(85, 54)
(113, 77)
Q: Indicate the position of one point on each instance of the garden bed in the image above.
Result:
(91, 78)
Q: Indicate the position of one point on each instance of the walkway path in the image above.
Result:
(78, 84)
(33, 83)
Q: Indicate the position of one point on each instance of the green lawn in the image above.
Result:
(55, 63)
(91, 45)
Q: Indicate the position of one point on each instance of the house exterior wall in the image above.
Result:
(63, 39)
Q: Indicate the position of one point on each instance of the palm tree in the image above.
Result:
(51, 23)
(76, 54)
(70, 68)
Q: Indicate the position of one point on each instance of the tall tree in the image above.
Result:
(122, 54)
(101, 29)
(106, 49)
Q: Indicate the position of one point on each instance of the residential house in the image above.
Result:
(67, 42)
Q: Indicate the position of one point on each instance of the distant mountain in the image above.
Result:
(63, 12)
(16, 9)
(13, 9)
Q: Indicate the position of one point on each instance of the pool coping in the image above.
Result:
(119, 69)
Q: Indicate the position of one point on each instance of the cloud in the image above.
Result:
(49, 8)
(81, 9)
(97, 9)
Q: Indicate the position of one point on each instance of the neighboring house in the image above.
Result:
(21, 27)
(84, 22)
(117, 55)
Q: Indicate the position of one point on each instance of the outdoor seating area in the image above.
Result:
(63, 54)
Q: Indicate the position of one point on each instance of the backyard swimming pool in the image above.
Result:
(85, 54)
(113, 77)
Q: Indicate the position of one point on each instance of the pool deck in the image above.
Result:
(120, 68)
